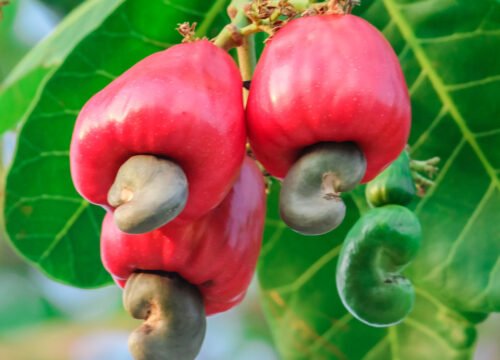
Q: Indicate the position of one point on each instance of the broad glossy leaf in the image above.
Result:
(10, 47)
(447, 52)
(62, 6)
(47, 221)
(22, 88)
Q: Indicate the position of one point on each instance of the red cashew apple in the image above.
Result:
(174, 121)
(176, 274)
(216, 253)
(337, 97)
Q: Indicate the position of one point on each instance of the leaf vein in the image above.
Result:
(269, 245)
(40, 156)
(465, 230)
(441, 176)
(489, 285)
(378, 347)
(474, 83)
(459, 36)
(310, 272)
(487, 133)
(415, 324)
(43, 197)
(61, 234)
(335, 328)
(416, 84)
(439, 86)
(393, 342)
(425, 135)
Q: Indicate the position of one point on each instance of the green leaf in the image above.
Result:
(445, 48)
(10, 47)
(22, 88)
(62, 6)
(47, 221)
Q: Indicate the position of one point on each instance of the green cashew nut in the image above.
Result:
(378, 247)
(394, 185)
(173, 313)
(147, 193)
(310, 201)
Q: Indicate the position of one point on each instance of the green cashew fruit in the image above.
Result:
(377, 248)
(394, 185)
(173, 313)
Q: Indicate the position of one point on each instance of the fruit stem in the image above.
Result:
(231, 35)
(247, 61)
(422, 172)
(187, 31)
(247, 58)
(342, 6)
(253, 16)
(426, 166)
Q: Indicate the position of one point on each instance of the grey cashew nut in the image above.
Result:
(148, 192)
(173, 313)
(310, 201)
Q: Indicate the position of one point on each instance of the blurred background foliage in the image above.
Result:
(42, 320)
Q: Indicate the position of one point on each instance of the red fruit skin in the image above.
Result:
(218, 252)
(184, 104)
(328, 78)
